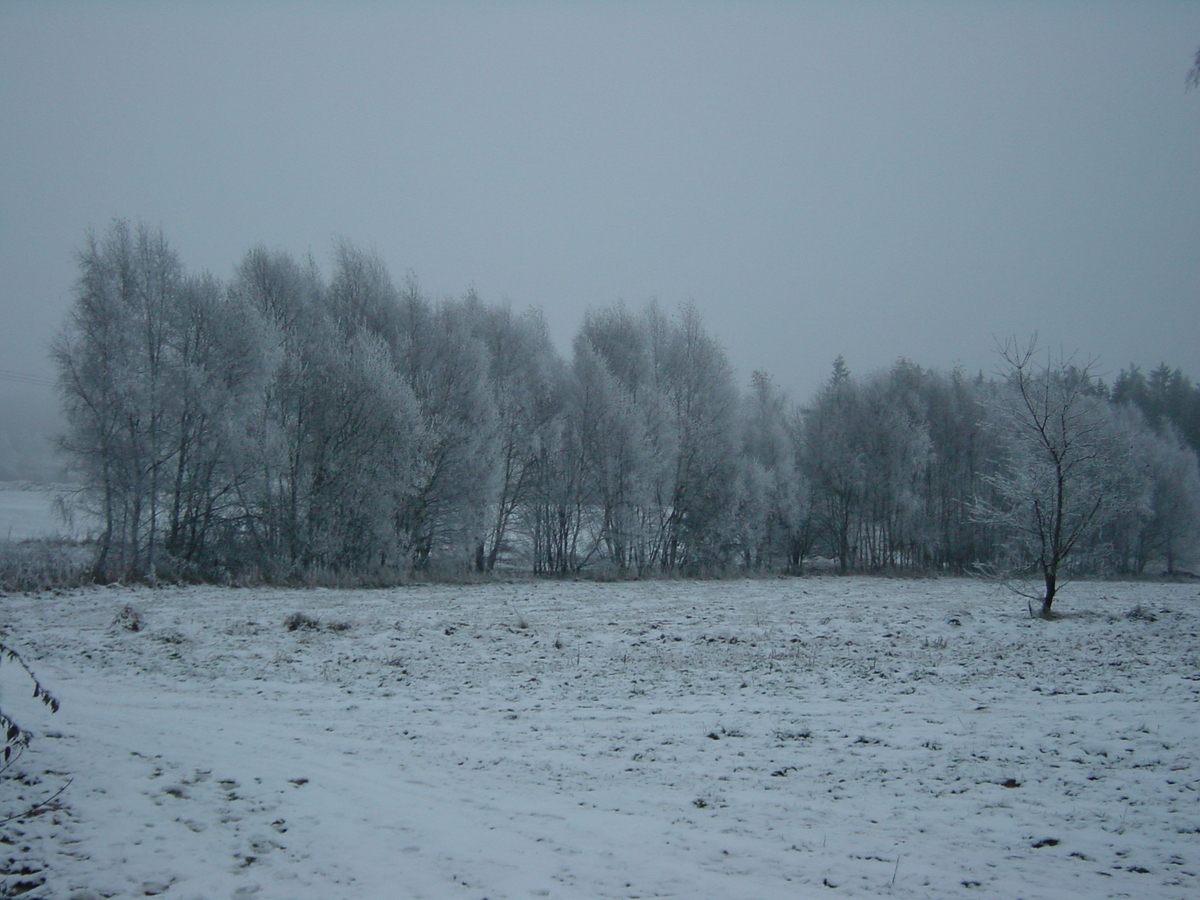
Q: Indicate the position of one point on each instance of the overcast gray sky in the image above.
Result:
(871, 179)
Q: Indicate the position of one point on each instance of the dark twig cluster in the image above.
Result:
(16, 738)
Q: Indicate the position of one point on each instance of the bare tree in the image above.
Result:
(1062, 480)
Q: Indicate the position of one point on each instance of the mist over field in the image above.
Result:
(30, 420)
(818, 179)
(814, 183)
(624, 450)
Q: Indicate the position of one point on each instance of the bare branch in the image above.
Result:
(16, 738)
(39, 807)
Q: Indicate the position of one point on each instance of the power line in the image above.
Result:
(9, 375)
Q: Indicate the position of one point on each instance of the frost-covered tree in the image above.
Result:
(620, 470)
(1173, 530)
(523, 380)
(1160, 518)
(962, 451)
(288, 296)
(563, 514)
(773, 498)
(662, 444)
(339, 449)
(361, 456)
(1063, 480)
(163, 377)
(446, 365)
(218, 382)
(285, 424)
(1167, 398)
(115, 361)
(865, 451)
(833, 461)
(703, 404)
(896, 448)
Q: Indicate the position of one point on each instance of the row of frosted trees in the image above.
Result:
(285, 424)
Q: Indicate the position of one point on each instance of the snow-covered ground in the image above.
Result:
(27, 513)
(31, 511)
(819, 737)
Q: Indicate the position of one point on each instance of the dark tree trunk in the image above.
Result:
(1051, 589)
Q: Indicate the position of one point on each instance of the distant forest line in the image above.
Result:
(284, 425)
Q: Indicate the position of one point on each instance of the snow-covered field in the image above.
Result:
(819, 737)
(28, 512)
